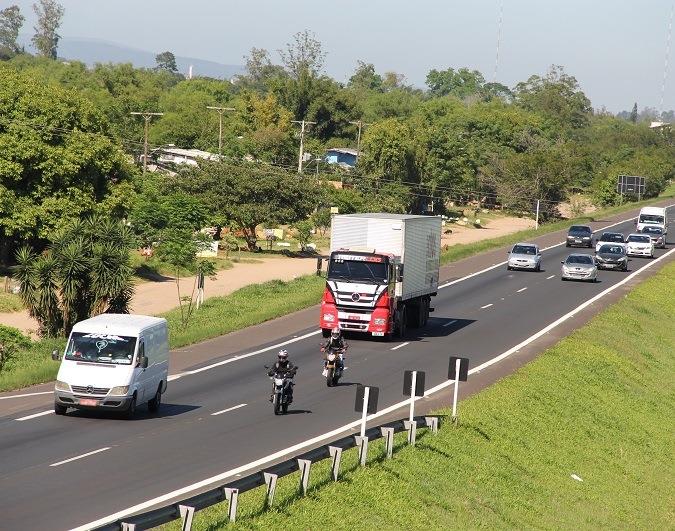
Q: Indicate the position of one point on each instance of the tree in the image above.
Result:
(634, 113)
(366, 78)
(389, 152)
(57, 162)
(179, 248)
(249, 195)
(304, 232)
(260, 70)
(49, 16)
(556, 96)
(11, 21)
(304, 56)
(461, 83)
(86, 271)
(166, 61)
(322, 220)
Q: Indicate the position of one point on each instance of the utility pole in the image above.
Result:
(220, 111)
(360, 125)
(147, 116)
(303, 125)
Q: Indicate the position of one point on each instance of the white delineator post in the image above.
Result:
(456, 391)
(536, 221)
(364, 413)
(413, 386)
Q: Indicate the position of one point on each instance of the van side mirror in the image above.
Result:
(55, 355)
(399, 273)
(143, 362)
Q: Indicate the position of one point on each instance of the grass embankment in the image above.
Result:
(10, 302)
(599, 405)
(464, 250)
(219, 315)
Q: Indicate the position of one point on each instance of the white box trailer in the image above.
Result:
(379, 260)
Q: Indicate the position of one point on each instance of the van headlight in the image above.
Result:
(61, 386)
(120, 390)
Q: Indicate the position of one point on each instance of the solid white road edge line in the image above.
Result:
(227, 410)
(401, 345)
(26, 394)
(34, 415)
(486, 306)
(81, 456)
(521, 289)
(338, 431)
(449, 323)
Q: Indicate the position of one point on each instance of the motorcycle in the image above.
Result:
(333, 365)
(282, 392)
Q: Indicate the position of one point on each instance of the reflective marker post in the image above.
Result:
(364, 412)
(413, 380)
(413, 386)
(366, 402)
(458, 370)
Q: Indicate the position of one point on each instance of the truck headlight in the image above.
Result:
(120, 390)
(61, 386)
(328, 317)
(379, 321)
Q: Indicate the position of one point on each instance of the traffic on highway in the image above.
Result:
(215, 415)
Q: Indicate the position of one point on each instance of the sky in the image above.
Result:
(615, 48)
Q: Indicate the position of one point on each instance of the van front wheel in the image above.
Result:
(59, 409)
(131, 410)
(153, 405)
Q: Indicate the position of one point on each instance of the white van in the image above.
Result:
(650, 216)
(113, 362)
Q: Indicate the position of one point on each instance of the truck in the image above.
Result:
(382, 272)
(652, 216)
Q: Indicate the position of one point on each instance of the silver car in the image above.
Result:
(579, 267)
(524, 256)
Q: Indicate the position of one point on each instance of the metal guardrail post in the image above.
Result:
(271, 482)
(336, 454)
(304, 465)
(232, 496)
(362, 444)
(411, 426)
(388, 434)
(186, 514)
(432, 423)
(128, 527)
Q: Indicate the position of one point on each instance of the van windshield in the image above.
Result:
(651, 218)
(101, 348)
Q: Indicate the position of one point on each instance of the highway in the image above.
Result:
(61, 472)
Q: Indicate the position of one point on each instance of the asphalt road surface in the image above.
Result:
(61, 472)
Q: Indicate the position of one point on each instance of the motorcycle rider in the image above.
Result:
(336, 342)
(284, 367)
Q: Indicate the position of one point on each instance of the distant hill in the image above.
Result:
(91, 51)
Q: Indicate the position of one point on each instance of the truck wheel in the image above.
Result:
(325, 332)
(414, 315)
(425, 314)
(402, 323)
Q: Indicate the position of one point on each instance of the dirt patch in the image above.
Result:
(497, 227)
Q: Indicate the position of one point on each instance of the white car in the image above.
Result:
(610, 237)
(639, 245)
(524, 256)
(579, 267)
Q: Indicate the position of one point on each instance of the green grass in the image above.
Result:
(153, 268)
(245, 307)
(464, 250)
(32, 365)
(10, 302)
(599, 404)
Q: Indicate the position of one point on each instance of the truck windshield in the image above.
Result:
(357, 270)
(651, 218)
(101, 348)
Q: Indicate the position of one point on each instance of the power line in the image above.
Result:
(303, 125)
(147, 116)
(220, 111)
(499, 39)
(665, 65)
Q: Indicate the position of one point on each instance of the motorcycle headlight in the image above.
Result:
(331, 357)
(120, 390)
(61, 386)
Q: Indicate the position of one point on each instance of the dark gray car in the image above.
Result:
(579, 236)
(612, 256)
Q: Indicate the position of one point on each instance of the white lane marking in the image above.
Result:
(486, 306)
(81, 456)
(450, 322)
(227, 410)
(401, 345)
(27, 394)
(174, 377)
(549, 278)
(521, 289)
(35, 415)
(338, 431)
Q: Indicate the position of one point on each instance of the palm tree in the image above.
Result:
(85, 271)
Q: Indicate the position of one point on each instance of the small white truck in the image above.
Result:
(382, 273)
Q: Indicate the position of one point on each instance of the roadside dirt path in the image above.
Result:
(495, 228)
(152, 298)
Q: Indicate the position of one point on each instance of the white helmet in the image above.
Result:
(335, 334)
(283, 355)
